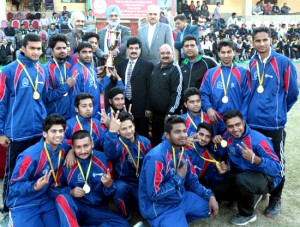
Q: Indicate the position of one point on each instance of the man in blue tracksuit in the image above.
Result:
(274, 90)
(82, 194)
(60, 81)
(22, 109)
(127, 152)
(225, 87)
(255, 168)
(169, 191)
(84, 105)
(37, 168)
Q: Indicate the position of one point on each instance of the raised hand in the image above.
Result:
(212, 115)
(104, 118)
(221, 167)
(115, 123)
(42, 181)
(72, 80)
(106, 179)
(129, 108)
(246, 152)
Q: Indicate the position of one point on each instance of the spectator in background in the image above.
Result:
(185, 8)
(206, 46)
(256, 10)
(16, 3)
(203, 6)
(232, 20)
(205, 12)
(55, 19)
(75, 35)
(44, 22)
(52, 30)
(192, 8)
(90, 22)
(63, 22)
(10, 32)
(217, 16)
(37, 5)
(163, 18)
(6, 51)
(275, 9)
(48, 4)
(285, 9)
(65, 11)
(268, 9)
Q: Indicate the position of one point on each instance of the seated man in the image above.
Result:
(6, 51)
(169, 191)
(255, 169)
(48, 4)
(10, 32)
(127, 150)
(35, 171)
(285, 9)
(82, 194)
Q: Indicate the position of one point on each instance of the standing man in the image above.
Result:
(195, 65)
(169, 191)
(135, 73)
(22, 85)
(274, 90)
(6, 52)
(217, 16)
(225, 87)
(113, 16)
(90, 21)
(164, 91)
(184, 30)
(77, 21)
(60, 81)
(154, 35)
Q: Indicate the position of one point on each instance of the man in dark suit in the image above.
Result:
(184, 30)
(135, 73)
(113, 15)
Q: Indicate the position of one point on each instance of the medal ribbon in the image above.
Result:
(228, 80)
(180, 157)
(50, 162)
(27, 74)
(205, 159)
(193, 123)
(136, 165)
(261, 78)
(89, 72)
(85, 178)
(63, 78)
(80, 125)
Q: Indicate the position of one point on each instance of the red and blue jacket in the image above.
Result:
(98, 133)
(115, 151)
(21, 116)
(238, 91)
(206, 171)
(268, 110)
(160, 187)
(85, 83)
(192, 122)
(72, 178)
(31, 165)
(56, 99)
(261, 146)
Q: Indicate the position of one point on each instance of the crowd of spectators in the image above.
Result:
(267, 9)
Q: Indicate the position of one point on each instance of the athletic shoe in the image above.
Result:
(274, 207)
(242, 220)
(139, 224)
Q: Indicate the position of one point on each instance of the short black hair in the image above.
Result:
(54, 13)
(172, 120)
(82, 96)
(233, 14)
(83, 45)
(206, 126)
(189, 92)
(81, 134)
(181, 17)
(226, 43)
(89, 35)
(53, 119)
(190, 37)
(261, 29)
(31, 37)
(124, 116)
(57, 38)
(133, 40)
(231, 114)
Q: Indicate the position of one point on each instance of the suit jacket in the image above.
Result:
(139, 84)
(162, 35)
(125, 34)
(189, 30)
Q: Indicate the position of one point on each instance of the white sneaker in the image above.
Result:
(139, 224)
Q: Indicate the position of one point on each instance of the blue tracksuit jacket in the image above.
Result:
(160, 187)
(21, 116)
(268, 110)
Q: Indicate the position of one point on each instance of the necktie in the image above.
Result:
(128, 92)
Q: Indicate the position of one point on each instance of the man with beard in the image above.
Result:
(169, 191)
(113, 15)
(165, 86)
(75, 36)
(60, 81)
(274, 90)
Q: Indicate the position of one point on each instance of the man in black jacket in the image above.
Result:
(165, 89)
(6, 51)
(135, 73)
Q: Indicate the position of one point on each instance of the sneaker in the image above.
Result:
(257, 200)
(242, 220)
(274, 208)
(139, 224)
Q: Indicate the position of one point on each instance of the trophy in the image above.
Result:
(113, 41)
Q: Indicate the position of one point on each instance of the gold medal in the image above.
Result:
(36, 95)
(223, 143)
(225, 99)
(66, 94)
(86, 188)
(260, 89)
